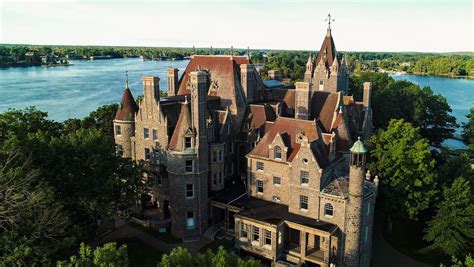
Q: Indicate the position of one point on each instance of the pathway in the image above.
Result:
(124, 230)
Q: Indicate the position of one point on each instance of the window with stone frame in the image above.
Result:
(119, 150)
(189, 191)
(304, 202)
(220, 158)
(243, 230)
(255, 234)
(188, 142)
(147, 154)
(214, 179)
(118, 130)
(328, 209)
(221, 178)
(304, 177)
(259, 186)
(277, 152)
(276, 180)
(267, 237)
(190, 222)
(260, 166)
(155, 134)
(146, 133)
(214, 156)
(189, 165)
(231, 148)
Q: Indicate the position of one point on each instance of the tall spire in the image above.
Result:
(329, 19)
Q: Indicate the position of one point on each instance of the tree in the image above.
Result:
(107, 255)
(178, 257)
(452, 228)
(32, 223)
(455, 262)
(221, 258)
(402, 160)
(468, 129)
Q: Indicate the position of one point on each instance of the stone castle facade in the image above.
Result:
(276, 167)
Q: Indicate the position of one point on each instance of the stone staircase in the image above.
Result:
(211, 232)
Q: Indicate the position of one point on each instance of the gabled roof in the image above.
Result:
(289, 128)
(327, 48)
(259, 114)
(183, 124)
(284, 95)
(324, 106)
(128, 107)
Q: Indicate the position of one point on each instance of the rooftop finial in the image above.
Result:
(231, 52)
(126, 78)
(186, 99)
(248, 51)
(329, 19)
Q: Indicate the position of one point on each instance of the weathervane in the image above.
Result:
(328, 19)
(126, 78)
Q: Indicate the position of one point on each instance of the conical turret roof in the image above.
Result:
(128, 107)
(358, 147)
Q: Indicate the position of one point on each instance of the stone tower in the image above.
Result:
(172, 74)
(303, 100)
(124, 123)
(355, 204)
(367, 124)
(188, 169)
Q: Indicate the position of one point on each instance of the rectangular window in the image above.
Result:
(155, 134)
(321, 82)
(118, 130)
(260, 166)
(187, 142)
(119, 150)
(366, 234)
(189, 166)
(156, 157)
(232, 168)
(146, 133)
(189, 191)
(368, 209)
(231, 148)
(220, 155)
(255, 234)
(276, 198)
(147, 154)
(243, 230)
(221, 178)
(303, 202)
(259, 186)
(190, 224)
(304, 177)
(214, 179)
(276, 180)
(268, 237)
(214, 156)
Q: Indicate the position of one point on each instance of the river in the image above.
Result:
(458, 92)
(74, 91)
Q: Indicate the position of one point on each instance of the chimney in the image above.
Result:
(303, 100)
(151, 88)
(367, 94)
(172, 74)
(247, 79)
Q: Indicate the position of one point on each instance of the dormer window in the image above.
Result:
(277, 152)
(118, 130)
(188, 143)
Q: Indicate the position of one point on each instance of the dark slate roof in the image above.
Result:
(274, 213)
(128, 107)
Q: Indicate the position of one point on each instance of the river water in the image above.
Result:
(74, 91)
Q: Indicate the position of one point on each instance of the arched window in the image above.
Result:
(277, 151)
(328, 209)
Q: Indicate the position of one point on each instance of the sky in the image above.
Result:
(360, 25)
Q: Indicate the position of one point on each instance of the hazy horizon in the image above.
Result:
(437, 26)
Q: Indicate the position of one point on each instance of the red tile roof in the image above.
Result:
(330, 49)
(128, 107)
(184, 123)
(289, 128)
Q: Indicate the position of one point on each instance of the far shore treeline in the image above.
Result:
(290, 63)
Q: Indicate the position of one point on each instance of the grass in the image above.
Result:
(165, 237)
(141, 254)
(227, 244)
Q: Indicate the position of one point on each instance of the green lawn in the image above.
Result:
(165, 237)
(141, 254)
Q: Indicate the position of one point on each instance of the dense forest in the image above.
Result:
(290, 63)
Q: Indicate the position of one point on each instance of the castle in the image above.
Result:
(275, 167)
